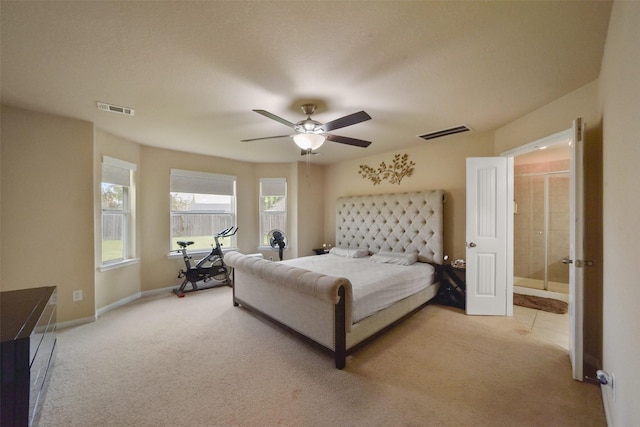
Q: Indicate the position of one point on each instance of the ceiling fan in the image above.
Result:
(311, 134)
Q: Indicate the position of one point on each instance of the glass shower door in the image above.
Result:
(541, 231)
(558, 232)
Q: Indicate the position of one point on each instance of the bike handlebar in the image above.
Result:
(227, 232)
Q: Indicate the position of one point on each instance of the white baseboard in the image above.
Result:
(160, 291)
(134, 297)
(76, 322)
(107, 308)
(117, 304)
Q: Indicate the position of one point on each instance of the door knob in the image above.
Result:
(567, 261)
(472, 245)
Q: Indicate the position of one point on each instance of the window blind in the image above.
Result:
(202, 183)
(273, 187)
(115, 171)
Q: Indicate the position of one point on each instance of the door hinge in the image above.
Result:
(584, 263)
(579, 128)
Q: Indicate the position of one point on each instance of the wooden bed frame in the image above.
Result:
(316, 306)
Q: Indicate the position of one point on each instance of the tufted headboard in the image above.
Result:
(399, 222)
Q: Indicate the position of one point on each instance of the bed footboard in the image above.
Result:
(314, 305)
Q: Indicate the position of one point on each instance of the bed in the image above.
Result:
(383, 268)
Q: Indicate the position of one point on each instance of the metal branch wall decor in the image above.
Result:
(398, 169)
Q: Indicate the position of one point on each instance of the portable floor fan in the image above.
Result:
(278, 240)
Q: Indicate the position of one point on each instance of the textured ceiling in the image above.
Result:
(193, 71)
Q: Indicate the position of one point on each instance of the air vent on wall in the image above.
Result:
(115, 109)
(445, 132)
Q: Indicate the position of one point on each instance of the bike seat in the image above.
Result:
(183, 244)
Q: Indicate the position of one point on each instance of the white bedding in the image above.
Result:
(375, 285)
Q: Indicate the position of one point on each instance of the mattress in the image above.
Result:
(375, 286)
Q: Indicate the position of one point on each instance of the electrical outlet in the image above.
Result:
(77, 296)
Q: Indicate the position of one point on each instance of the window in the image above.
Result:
(273, 207)
(117, 204)
(202, 204)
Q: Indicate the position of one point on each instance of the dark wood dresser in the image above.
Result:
(28, 327)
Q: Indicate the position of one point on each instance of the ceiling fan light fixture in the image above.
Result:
(310, 134)
(309, 141)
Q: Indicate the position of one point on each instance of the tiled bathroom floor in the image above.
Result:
(547, 326)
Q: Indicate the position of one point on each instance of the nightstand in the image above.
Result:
(453, 286)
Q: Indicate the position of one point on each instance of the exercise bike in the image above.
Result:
(210, 270)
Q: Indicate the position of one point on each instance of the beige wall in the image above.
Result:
(50, 186)
(620, 106)
(440, 164)
(552, 118)
(47, 207)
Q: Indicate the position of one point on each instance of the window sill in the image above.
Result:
(269, 248)
(118, 264)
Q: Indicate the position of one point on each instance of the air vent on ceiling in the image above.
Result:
(445, 132)
(115, 109)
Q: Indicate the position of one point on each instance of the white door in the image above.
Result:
(576, 251)
(486, 236)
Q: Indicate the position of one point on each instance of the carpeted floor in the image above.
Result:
(199, 361)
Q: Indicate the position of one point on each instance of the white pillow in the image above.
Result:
(349, 253)
(395, 258)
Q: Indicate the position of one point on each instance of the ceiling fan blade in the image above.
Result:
(265, 137)
(349, 141)
(349, 120)
(276, 118)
